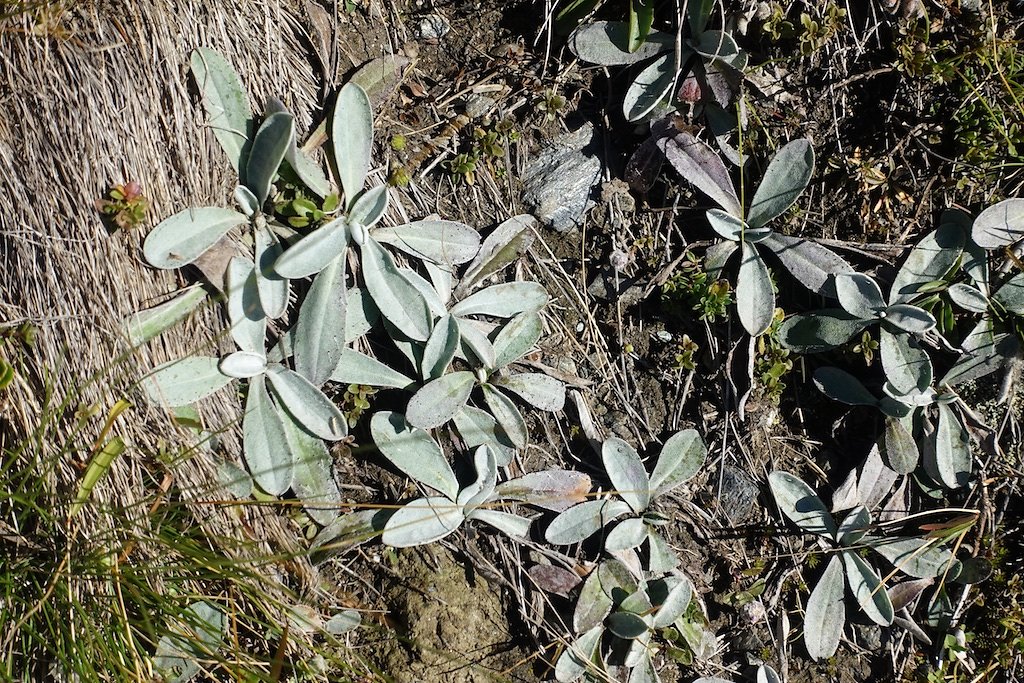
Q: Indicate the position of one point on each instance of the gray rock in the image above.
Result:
(559, 180)
(434, 27)
(739, 494)
(869, 636)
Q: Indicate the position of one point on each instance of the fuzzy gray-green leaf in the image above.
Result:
(267, 453)
(504, 300)
(799, 502)
(185, 236)
(918, 557)
(273, 289)
(398, 300)
(440, 348)
(579, 655)
(681, 458)
(312, 474)
(859, 295)
(507, 415)
(539, 390)
(424, 520)
(967, 297)
(650, 87)
(909, 318)
(627, 473)
(825, 615)
(901, 450)
(811, 264)
(307, 404)
(784, 180)
(352, 139)
(607, 43)
(952, 449)
(320, 329)
(226, 104)
(314, 251)
(584, 520)
(438, 400)
(907, 366)
(184, 381)
(413, 452)
(354, 367)
(267, 152)
(755, 298)
(841, 386)
(504, 245)
(820, 331)
(929, 261)
(1000, 224)
(517, 337)
(369, 207)
(867, 588)
(144, 325)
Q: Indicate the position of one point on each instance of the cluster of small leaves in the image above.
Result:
(772, 362)
(125, 206)
(701, 73)
(812, 33)
(299, 210)
(919, 559)
(697, 291)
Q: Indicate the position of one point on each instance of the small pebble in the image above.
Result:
(434, 27)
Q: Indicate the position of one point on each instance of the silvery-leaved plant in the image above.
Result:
(825, 611)
(765, 674)
(922, 422)
(995, 341)
(680, 459)
(617, 615)
(703, 70)
(745, 227)
(433, 517)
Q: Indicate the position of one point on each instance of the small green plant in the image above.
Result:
(772, 362)
(355, 402)
(299, 210)
(697, 290)
(552, 104)
(125, 206)
(745, 229)
(814, 33)
(825, 612)
(698, 73)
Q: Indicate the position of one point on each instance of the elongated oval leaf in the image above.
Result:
(755, 297)
(352, 139)
(184, 381)
(474, 345)
(819, 331)
(185, 236)
(369, 207)
(196, 636)
(513, 526)
(540, 391)
(517, 337)
(907, 366)
(269, 146)
(867, 588)
(424, 520)
(314, 251)
(246, 201)
(662, 557)
(320, 329)
(440, 348)
(1000, 224)
(437, 307)
(700, 165)
(952, 449)
(725, 224)
(144, 325)
(445, 242)
(273, 289)
(507, 415)
(312, 473)
(901, 451)
(853, 526)
(841, 386)
(626, 625)
(398, 300)
(267, 453)
(675, 603)
(486, 477)
(681, 458)
(784, 180)
(607, 43)
(650, 87)
(967, 297)
(810, 263)
(504, 300)
(357, 368)
(915, 557)
(226, 104)
(504, 245)
(985, 351)
(825, 615)
(438, 400)
(579, 656)
(245, 314)
(307, 404)
(909, 318)
(477, 427)
(243, 364)
(627, 473)
(360, 314)
(1011, 294)
(929, 261)
(799, 502)
(413, 452)
(555, 490)
(584, 520)
(860, 295)
(628, 534)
